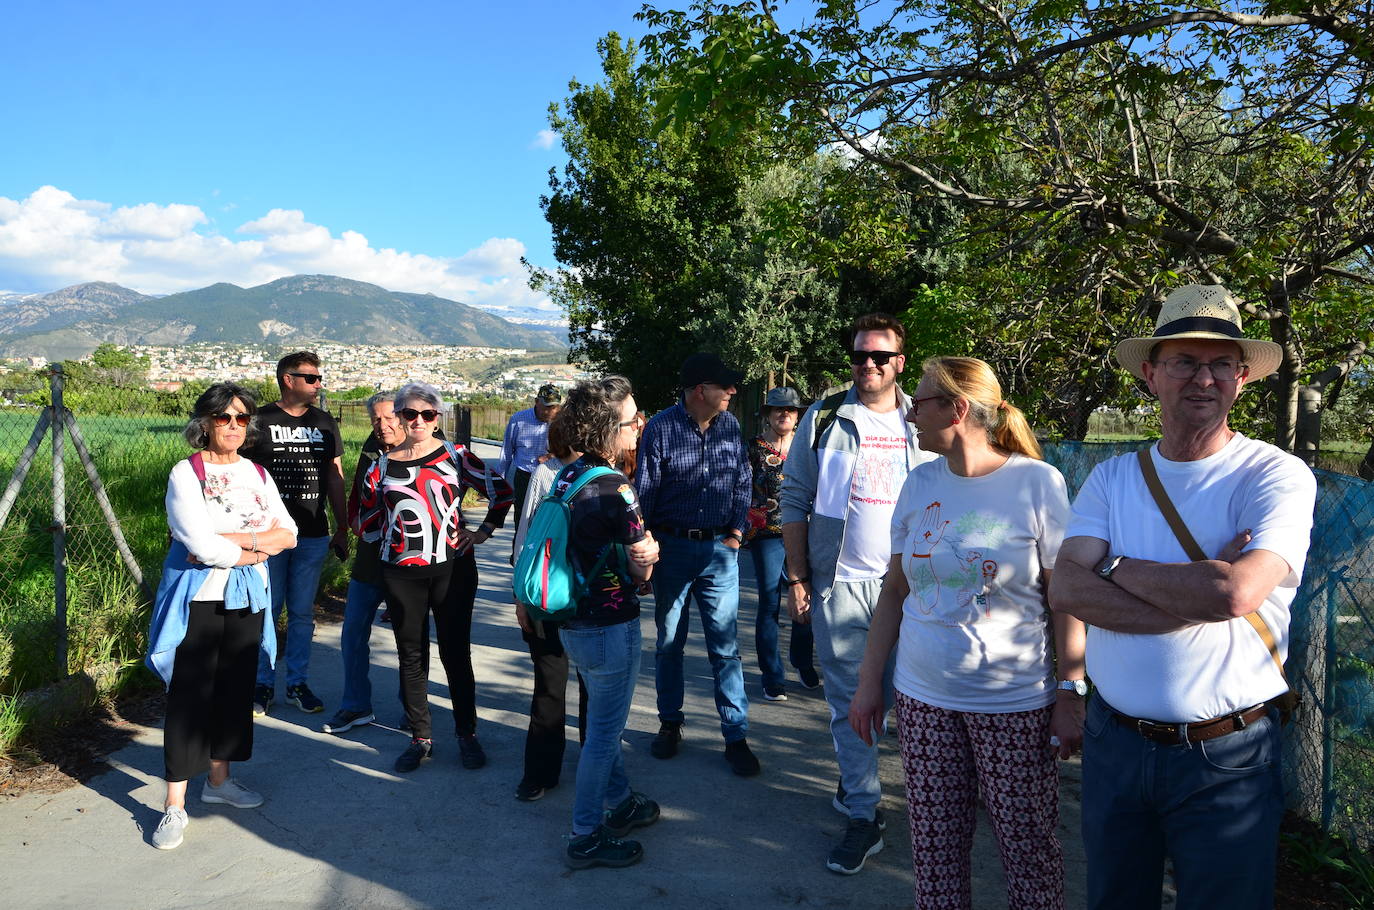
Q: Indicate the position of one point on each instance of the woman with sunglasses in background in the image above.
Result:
(226, 518)
(412, 502)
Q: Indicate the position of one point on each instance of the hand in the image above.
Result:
(732, 541)
(339, 544)
(644, 552)
(1066, 723)
(866, 712)
(799, 602)
(523, 617)
(1231, 552)
(468, 539)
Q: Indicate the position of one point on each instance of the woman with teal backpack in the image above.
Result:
(602, 639)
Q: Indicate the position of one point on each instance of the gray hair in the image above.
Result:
(378, 399)
(423, 391)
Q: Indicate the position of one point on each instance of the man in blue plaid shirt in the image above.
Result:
(694, 485)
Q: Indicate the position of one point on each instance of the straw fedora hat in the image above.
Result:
(1201, 311)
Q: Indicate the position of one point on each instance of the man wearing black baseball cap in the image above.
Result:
(694, 487)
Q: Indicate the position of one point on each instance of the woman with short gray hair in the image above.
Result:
(411, 502)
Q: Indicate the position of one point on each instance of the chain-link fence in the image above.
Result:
(70, 600)
(1329, 746)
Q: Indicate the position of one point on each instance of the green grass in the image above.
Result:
(107, 618)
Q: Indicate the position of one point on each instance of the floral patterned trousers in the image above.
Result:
(949, 756)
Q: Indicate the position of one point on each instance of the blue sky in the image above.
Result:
(170, 145)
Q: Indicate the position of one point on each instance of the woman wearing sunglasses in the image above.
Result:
(979, 712)
(412, 502)
(226, 518)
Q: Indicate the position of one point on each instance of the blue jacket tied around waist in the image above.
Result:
(181, 579)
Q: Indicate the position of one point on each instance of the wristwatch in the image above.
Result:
(1078, 687)
(1106, 567)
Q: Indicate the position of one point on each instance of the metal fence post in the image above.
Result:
(59, 520)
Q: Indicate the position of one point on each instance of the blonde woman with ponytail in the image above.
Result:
(989, 690)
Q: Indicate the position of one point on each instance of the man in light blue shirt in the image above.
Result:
(526, 445)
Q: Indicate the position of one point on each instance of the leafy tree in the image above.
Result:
(1100, 154)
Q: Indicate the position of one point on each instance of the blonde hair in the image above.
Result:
(973, 381)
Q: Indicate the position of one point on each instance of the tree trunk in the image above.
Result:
(1286, 382)
(1309, 424)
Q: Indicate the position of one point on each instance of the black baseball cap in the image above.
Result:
(704, 367)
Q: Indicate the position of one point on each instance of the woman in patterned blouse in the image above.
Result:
(412, 501)
(767, 452)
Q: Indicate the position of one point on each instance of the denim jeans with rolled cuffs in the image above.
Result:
(769, 556)
(295, 577)
(840, 614)
(707, 572)
(1212, 807)
(607, 658)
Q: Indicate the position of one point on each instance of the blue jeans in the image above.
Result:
(769, 558)
(708, 572)
(607, 658)
(1212, 807)
(295, 576)
(841, 615)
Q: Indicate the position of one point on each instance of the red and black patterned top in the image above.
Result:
(416, 510)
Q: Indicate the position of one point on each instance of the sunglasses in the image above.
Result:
(880, 358)
(310, 378)
(410, 414)
(222, 419)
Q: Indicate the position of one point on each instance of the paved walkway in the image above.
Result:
(340, 829)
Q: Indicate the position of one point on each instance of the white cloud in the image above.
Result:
(52, 239)
(544, 139)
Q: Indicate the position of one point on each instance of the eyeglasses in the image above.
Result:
(916, 402)
(410, 414)
(1224, 370)
(633, 422)
(310, 378)
(223, 419)
(880, 358)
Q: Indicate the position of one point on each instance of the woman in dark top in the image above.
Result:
(767, 453)
(412, 502)
(602, 639)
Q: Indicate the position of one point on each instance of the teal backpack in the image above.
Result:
(546, 581)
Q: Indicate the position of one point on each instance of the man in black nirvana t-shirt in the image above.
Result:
(300, 446)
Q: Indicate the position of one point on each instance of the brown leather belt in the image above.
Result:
(1178, 734)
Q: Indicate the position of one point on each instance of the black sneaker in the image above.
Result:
(741, 759)
(810, 679)
(600, 848)
(666, 742)
(634, 811)
(778, 694)
(262, 700)
(861, 840)
(303, 698)
(344, 719)
(471, 752)
(419, 750)
(840, 807)
(528, 791)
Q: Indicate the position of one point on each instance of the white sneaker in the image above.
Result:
(170, 829)
(231, 793)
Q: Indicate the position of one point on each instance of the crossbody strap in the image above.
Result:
(1190, 546)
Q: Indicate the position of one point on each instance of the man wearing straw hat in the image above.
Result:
(1188, 623)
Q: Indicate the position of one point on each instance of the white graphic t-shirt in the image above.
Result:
(879, 470)
(975, 634)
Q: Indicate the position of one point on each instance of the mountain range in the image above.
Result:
(289, 311)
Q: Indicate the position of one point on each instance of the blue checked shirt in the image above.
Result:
(526, 439)
(690, 479)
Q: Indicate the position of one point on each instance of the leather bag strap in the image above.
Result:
(1190, 546)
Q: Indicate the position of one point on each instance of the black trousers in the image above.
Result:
(521, 486)
(412, 594)
(210, 701)
(546, 739)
